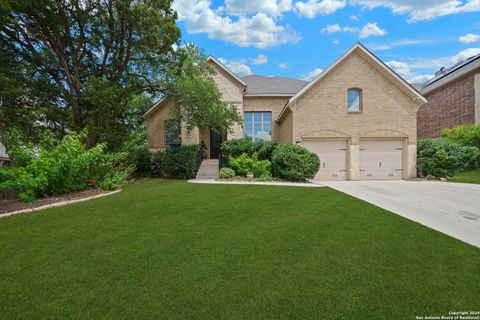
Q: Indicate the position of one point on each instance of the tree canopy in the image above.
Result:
(79, 63)
(69, 65)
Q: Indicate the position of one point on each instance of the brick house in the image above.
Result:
(358, 115)
(453, 98)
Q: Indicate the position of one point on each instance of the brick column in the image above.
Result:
(354, 163)
(477, 98)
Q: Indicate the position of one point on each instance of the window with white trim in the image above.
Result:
(258, 125)
(354, 100)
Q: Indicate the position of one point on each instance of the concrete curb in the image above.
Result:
(57, 204)
(258, 183)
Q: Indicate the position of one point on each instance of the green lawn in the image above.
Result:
(472, 176)
(173, 250)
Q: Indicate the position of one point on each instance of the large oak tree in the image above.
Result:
(74, 64)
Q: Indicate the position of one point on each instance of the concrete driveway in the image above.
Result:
(451, 208)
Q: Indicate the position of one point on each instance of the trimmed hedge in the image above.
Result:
(244, 164)
(443, 158)
(237, 147)
(293, 162)
(180, 162)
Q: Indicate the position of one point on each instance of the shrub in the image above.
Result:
(443, 157)
(117, 177)
(55, 167)
(237, 147)
(293, 162)
(265, 149)
(226, 173)
(466, 135)
(157, 163)
(244, 164)
(181, 162)
(138, 155)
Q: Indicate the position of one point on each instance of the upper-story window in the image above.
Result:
(354, 101)
(172, 134)
(258, 125)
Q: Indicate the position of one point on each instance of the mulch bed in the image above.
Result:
(9, 203)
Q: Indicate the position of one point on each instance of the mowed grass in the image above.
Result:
(471, 176)
(173, 250)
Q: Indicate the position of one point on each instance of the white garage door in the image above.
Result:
(381, 159)
(333, 158)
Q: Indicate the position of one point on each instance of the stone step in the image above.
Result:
(208, 169)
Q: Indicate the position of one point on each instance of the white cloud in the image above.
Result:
(237, 66)
(402, 43)
(312, 8)
(370, 29)
(260, 59)
(259, 30)
(465, 54)
(336, 41)
(469, 38)
(312, 74)
(419, 10)
(404, 70)
(421, 78)
(356, 18)
(283, 65)
(271, 7)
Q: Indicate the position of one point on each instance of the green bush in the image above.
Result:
(156, 162)
(117, 177)
(181, 162)
(244, 164)
(138, 155)
(226, 173)
(466, 135)
(237, 147)
(293, 162)
(265, 149)
(443, 157)
(55, 167)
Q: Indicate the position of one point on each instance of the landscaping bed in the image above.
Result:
(9, 203)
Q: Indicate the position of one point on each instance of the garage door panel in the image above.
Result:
(333, 158)
(381, 159)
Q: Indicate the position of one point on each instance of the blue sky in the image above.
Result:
(300, 38)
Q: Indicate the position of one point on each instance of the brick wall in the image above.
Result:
(448, 107)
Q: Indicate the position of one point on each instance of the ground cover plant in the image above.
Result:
(173, 250)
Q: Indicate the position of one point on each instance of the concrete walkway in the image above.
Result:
(451, 208)
(270, 183)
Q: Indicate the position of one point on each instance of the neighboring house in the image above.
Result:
(358, 115)
(453, 98)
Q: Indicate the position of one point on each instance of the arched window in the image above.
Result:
(354, 100)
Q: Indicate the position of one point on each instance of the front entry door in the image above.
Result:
(215, 142)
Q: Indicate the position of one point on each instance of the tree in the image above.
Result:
(198, 102)
(79, 63)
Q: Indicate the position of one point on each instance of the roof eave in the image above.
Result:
(227, 70)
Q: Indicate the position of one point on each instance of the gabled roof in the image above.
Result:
(272, 86)
(226, 69)
(376, 62)
(444, 76)
(155, 106)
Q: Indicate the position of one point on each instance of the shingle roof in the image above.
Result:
(261, 85)
(445, 75)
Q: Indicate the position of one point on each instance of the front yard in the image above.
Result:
(173, 250)
(472, 176)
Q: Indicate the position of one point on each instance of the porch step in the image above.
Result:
(208, 169)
